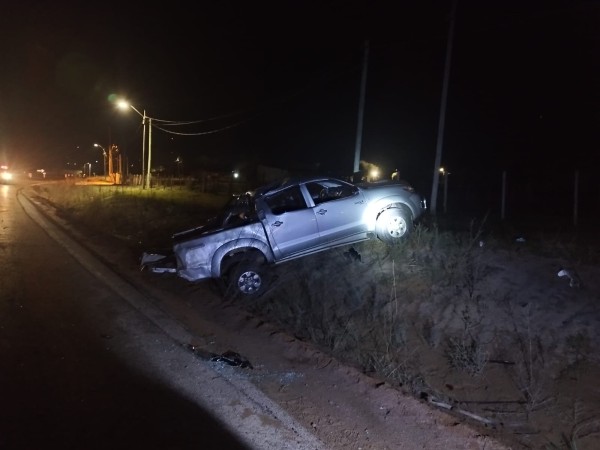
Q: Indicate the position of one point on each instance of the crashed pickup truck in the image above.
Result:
(285, 220)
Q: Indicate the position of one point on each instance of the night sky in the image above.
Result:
(278, 83)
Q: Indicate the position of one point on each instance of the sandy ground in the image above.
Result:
(343, 406)
(507, 344)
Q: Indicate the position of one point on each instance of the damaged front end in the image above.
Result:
(164, 262)
(192, 249)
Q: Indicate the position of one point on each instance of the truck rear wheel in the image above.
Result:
(247, 279)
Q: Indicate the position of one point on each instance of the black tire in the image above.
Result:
(394, 224)
(247, 280)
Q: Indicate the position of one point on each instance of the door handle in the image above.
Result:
(321, 211)
(277, 223)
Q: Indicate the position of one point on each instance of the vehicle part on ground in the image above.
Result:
(158, 262)
(228, 357)
(394, 224)
(233, 359)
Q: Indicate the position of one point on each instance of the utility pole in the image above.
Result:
(148, 185)
(361, 108)
(143, 145)
(111, 169)
(442, 121)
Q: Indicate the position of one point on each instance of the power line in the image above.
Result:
(202, 132)
(274, 104)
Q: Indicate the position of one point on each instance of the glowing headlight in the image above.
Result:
(7, 176)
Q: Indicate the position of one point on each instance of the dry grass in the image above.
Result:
(142, 217)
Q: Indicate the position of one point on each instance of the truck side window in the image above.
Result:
(288, 200)
(315, 189)
(327, 190)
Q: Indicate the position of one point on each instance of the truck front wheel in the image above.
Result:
(394, 224)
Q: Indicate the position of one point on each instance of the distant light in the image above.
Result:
(442, 170)
(235, 174)
(374, 174)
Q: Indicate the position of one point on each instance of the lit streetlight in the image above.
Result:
(122, 104)
(445, 174)
(104, 153)
(179, 162)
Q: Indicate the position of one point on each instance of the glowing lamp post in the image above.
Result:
(125, 106)
(103, 153)
(444, 173)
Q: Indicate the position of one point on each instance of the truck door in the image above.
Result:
(291, 226)
(339, 209)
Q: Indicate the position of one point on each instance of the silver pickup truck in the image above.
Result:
(286, 220)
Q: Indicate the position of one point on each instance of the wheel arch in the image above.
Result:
(224, 259)
(389, 230)
(397, 205)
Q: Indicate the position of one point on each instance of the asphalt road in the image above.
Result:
(86, 362)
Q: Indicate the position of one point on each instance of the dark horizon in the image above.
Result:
(278, 84)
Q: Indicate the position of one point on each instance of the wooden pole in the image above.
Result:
(442, 121)
(503, 198)
(575, 198)
(361, 108)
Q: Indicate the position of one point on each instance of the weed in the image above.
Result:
(400, 369)
(579, 346)
(530, 374)
(466, 352)
(428, 333)
(565, 443)
(582, 425)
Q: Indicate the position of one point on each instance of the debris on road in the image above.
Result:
(353, 255)
(229, 357)
(233, 359)
(574, 280)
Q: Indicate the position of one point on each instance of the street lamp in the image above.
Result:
(178, 161)
(445, 174)
(122, 104)
(104, 153)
